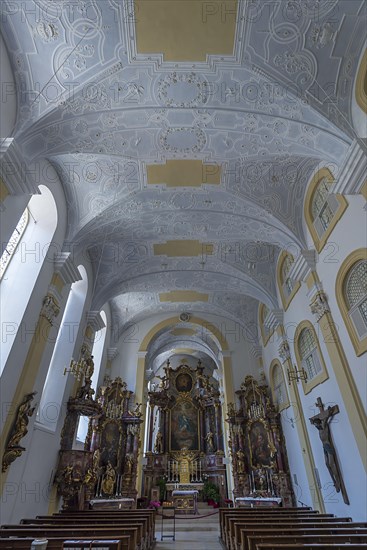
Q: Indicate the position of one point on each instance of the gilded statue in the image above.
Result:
(109, 479)
(129, 464)
(210, 442)
(158, 447)
(20, 427)
(19, 430)
(240, 461)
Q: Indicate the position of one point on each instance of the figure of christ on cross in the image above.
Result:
(321, 422)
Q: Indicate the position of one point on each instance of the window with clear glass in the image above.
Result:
(287, 282)
(279, 386)
(320, 197)
(356, 296)
(309, 353)
(13, 242)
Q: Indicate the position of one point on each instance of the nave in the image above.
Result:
(227, 529)
(183, 271)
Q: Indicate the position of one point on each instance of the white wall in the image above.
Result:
(8, 105)
(343, 240)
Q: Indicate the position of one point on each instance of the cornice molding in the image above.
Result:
(65, 267)
(94, 320)
(274, 319)
(112, 353)
(352, 174)
(303, 265)
(15, 171)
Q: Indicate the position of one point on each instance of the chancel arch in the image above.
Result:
(213, 192)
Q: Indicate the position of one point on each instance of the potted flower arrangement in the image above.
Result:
(161, 482)
(154, 505)
(211, 493)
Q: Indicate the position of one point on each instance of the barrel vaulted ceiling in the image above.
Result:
(184, 133)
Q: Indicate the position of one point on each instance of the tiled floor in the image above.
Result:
(192, 533)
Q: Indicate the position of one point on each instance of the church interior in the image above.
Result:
(183, 279)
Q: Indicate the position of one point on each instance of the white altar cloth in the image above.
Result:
(113, 503)
(257, 500)
(181, 492)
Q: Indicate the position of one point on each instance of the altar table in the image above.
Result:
(257, 501)
(112, 503)
(185, 501)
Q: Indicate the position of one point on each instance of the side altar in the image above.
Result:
(259, 459)
(185, 437)
(104, 474)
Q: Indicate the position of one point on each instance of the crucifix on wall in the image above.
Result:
(321, 422)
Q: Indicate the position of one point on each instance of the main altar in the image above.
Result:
(185, 438)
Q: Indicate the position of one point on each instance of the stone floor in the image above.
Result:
(192, 532)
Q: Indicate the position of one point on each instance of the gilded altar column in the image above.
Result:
(151, 426)
(218, 425)
(353, 405)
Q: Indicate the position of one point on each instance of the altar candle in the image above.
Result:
(253, 480)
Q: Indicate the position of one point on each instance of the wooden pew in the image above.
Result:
(122, 543)
(235, 524)
(249, 516)
(91, 514)
(254, 541)
(261, 512)
(312, 547)
(337, 529)
(76, 532)
(112, 517)
(105, 521)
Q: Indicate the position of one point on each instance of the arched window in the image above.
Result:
(361, 83)
(309, 356)
(323, 209)
(263, 312)
(356, 296)
(14, 240)
(351, 293)
(24, 268)
(287, 287)
(278, 386)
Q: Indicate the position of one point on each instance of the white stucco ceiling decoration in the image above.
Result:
(268, 115)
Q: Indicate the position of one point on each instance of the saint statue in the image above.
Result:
(158, 447)
(240, 461)
(20, 428)
(210, 442)
(109, 479)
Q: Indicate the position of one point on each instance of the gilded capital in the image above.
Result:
(319, 305)
(50, 308)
